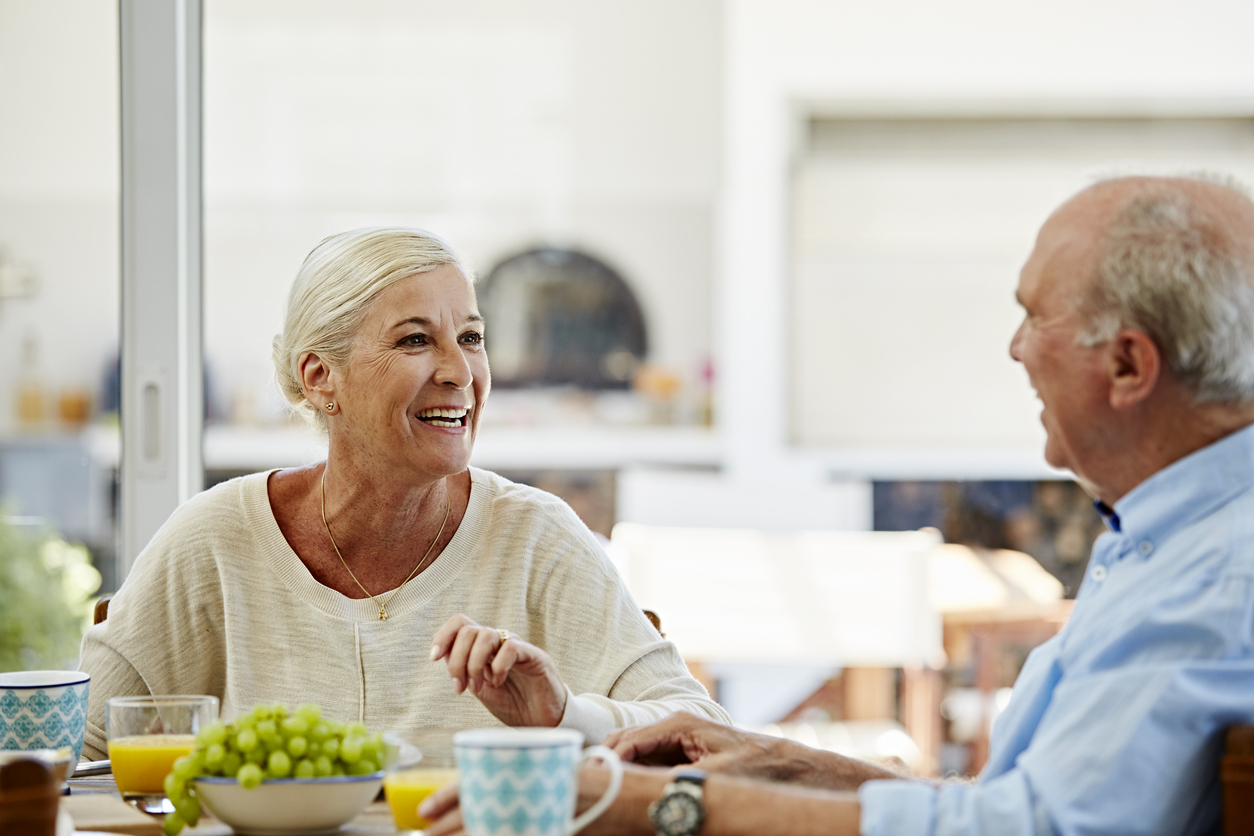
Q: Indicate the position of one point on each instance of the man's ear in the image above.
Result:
(317, 378)
(1135, 367)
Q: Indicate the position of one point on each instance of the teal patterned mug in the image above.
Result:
(44, 710)
(524, 782)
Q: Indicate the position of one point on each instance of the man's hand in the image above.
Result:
(684, 738)
(515, 680)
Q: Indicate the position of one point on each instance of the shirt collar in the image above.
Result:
(1186, 490)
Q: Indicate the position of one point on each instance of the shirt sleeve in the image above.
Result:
(1003, 806)
(596, 716)
(1127, 750)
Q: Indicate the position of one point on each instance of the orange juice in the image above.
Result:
(141, 763)
(407, 788)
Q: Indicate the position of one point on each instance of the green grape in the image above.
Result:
(337, 769)
(173, 824)
(174, 786)
(231, 764)
(279, 711)
(350, 750)
(356, 729)
(322, 766)
(313, 750)
(246, 741)
(331, 748)
(215, 732)
(304, 768)
(249, 776)
(188, 808)
(257, 755)
(310, 713)
(267, 730)
(186, 767)
(263, 712)
(297, 746)
(319, 732)
(294, 726)
(279, 764)
(365, 766)
(214, 754)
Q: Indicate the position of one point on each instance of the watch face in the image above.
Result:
(678, 815)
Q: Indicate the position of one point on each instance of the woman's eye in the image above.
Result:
(415, 339)
(473, 338)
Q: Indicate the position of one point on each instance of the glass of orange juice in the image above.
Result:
(408, 782)
(146, 736)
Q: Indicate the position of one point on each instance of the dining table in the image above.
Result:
(89, 803)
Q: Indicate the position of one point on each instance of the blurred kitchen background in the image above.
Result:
(748, 271)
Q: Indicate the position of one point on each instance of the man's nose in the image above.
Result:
(1016, 341)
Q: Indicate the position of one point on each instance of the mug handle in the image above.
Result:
(610, 757)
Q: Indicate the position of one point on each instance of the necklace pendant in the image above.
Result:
(383, 614)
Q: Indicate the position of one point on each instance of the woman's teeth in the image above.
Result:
(444, 417)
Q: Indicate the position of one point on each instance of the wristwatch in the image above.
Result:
(681, 809)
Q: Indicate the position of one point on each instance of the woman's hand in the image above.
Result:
(514, 680)
(440, 808)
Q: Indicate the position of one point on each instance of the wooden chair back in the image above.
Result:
(1236, 772)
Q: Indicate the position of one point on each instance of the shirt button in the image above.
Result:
(1146, 547)
(1098, 573)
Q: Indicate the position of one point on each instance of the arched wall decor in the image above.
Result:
(559, 317)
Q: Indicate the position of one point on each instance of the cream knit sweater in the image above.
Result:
(218, 603)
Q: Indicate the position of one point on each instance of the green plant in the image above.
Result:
(46, 589)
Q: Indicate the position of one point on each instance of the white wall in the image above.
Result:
(59, 190)
(658, 135)
(499, 125)
(788, 59)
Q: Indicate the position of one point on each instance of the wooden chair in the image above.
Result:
(1236, 772)
(102, 612)
(102, 609)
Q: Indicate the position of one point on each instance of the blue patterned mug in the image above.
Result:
(44, 710)
(524, 782)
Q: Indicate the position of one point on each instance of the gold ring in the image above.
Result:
(504, 634)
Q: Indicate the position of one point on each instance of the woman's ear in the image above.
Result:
(317, 378)
(1135, 367)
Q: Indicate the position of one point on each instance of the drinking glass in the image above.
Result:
(146, 736)
(408, 782)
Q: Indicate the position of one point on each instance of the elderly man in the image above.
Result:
(1138, 336)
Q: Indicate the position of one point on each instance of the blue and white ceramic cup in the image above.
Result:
(524, 782)
(44, 710)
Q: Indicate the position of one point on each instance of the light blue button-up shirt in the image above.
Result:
(1116, 724)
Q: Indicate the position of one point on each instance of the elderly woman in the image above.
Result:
(366, 582)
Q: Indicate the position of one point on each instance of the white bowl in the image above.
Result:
(306, 806)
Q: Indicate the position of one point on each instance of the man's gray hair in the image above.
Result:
(1169, 268)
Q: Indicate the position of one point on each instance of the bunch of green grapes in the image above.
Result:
(271, 742)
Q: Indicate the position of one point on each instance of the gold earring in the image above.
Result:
(331, 406)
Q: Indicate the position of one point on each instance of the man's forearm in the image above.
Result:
(734, 807)
(796, 764)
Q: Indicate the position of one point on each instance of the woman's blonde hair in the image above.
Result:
(333, 289)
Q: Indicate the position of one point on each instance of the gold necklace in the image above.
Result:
(383, 606)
